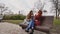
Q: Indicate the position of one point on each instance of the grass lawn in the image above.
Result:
(13, 21)
(56, 21)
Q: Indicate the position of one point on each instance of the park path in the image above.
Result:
(9, 28)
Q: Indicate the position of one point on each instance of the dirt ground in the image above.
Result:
(9, 28)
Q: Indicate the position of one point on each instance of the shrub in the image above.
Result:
(14, 17)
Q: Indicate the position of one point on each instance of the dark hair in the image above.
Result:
(29, 15)
(40, 12)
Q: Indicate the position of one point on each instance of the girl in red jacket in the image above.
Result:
(38, 18)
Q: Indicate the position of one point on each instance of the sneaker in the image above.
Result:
(30, 31)
(26, 31)
(32, 27)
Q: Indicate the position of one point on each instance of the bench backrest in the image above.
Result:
(47, 21)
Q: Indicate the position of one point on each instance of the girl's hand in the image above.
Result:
(36, 20)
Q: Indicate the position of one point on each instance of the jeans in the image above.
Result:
(30, 25)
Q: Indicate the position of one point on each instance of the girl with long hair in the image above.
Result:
(38, 18)
(30, 18)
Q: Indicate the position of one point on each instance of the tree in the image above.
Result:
(8, 13)
(58, 8)
(47, 5)
(2, 8)
(57, 2)
(39, 5)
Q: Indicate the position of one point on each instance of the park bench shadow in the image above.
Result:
(47, 24)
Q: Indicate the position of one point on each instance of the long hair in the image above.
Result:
(40, 12)
(29, 14)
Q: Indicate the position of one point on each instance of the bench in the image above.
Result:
(47, 24)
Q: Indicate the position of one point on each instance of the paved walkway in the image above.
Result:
(8, 28)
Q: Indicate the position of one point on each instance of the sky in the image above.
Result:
(19, 5)
(26, 5)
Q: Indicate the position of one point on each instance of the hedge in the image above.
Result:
(14, 17)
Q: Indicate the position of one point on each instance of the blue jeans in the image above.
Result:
(30, 25)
